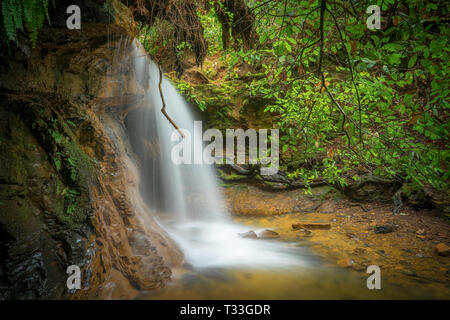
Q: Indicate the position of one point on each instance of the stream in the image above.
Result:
(219, 263)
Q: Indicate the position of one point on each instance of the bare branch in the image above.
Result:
(163, 109)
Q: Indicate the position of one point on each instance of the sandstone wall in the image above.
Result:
(68, 179)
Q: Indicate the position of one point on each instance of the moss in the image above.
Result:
(80, 162)
(225, 185)
(69, 184)
(13, 147)
(222, 101)
(78, 171)
(230, 177)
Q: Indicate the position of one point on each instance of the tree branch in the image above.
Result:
(163, 109)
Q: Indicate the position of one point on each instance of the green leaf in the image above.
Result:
(412, 61)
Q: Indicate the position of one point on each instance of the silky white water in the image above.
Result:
(190, 207)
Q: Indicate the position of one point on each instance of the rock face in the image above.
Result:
(247, 199)
(69, 186)
(40, 229)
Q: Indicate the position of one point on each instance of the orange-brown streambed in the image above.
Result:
(337, 258)
(323, 278)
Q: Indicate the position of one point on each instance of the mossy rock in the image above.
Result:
(73, 171)
(231, 176)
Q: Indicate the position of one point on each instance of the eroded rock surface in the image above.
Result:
(68, 181)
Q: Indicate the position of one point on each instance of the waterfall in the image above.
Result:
(185, 198)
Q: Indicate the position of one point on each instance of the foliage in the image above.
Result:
(359, 101)
(186, 89)
(18, 14)
(73, 166)
(213, 31)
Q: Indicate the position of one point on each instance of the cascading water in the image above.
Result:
(185, 197)
(186, 202)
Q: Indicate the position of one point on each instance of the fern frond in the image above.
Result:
(19, 13)
(8, 19)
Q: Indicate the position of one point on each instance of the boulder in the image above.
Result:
(384, 229)
(304, 233)
(268, 234)
(249, 234)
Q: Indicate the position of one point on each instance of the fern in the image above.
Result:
(19, 13)
(8, 9)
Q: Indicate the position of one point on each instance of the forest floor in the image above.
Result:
(352, 235)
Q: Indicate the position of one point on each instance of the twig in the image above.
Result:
(352, 76)
(323, 6)
(163, 109)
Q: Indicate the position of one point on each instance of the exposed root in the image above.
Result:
(182, 15)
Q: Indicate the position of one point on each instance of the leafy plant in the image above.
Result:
(186, 89)
(20, 14)
(360, 101)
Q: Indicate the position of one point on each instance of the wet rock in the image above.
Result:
(37, 235)
(384, 229)
(311, 225)
(249, 234)
(268, 234)
(345, 263)
(327, 207)
(54, 207)
(306, 205)
(304, 233)
(442, 250)
(248, 200)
